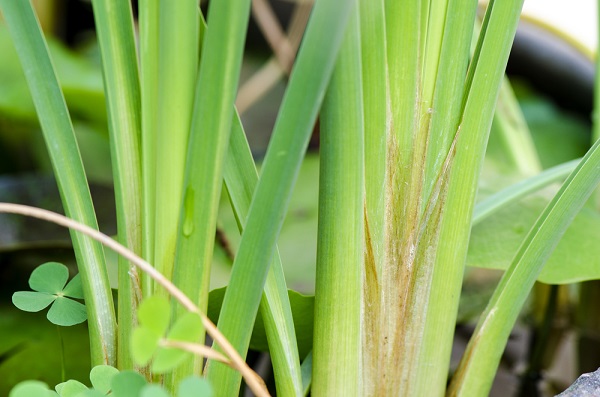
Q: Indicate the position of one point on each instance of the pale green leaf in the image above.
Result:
(50, 277)
(143, 345)
(31, 301)
(127, 384)
(30, 388)
(194, 387)
(72, 388)
(101, 377)
(66, 312)
(74, 288)
(154, 313)
(154, 391)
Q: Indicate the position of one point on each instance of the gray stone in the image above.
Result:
(587, 385)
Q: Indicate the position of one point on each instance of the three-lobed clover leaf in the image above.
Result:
(48, 284)
(154, 315)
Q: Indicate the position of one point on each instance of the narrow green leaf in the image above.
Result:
(340, 254)
(298, 111)
(216, 87)
(514, 193)
(176, 72)
(275, 312)
(101, 377)
(307, 374)
(476, 371)
(115, 31)
(69, 173)
(481, 90)
(50, 277)
(576, 257)
(66, 312)
(31, 301)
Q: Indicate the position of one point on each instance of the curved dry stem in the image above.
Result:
(254, 382)
(198, 349)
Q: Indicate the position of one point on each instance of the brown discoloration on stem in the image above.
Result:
(371, 310)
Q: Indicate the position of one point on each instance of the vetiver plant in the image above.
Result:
(406, 101)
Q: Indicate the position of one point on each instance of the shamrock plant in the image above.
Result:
(108, 381)
(50, 288)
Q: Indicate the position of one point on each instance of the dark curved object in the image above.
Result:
(553, 67)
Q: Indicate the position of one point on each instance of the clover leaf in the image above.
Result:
(154, 316)
(48, 284)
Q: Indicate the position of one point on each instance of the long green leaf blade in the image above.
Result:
(68, 170)
(220, 66)
(114, 26)
(476, 371)
(340, 255)
(298, 112)
(240, 179)
(481, 91)
(177, 72)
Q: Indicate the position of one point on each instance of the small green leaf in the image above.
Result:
(50, 277)
(66, 312)
(187, 328)
(154, 391)
(154, 313)
(71, 388)
(195, 387)
(167, 359)
(30, 388)
(143, 345)
(74, 289)
(127, 384)
(101, 377)
(30, 301)
(91, 393)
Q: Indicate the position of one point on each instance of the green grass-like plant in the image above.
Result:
(406, 93)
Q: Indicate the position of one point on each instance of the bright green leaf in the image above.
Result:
(127, 384)
(101, 377)
(30, 388)
(167, 359)
(74, 289)
(195, 387)
(71, 388)
(154, 391)
(31, 301)
(187, 328)
(154, 313)
(50, 277)
(66, 312)
(143, 345)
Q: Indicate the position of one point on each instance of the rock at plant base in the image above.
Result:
(587, 385)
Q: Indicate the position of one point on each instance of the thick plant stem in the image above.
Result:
(340, 257)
